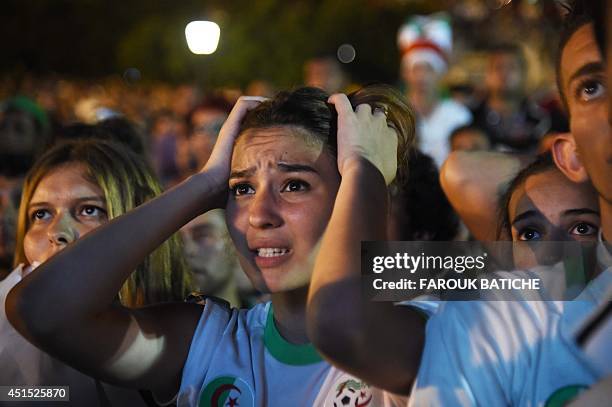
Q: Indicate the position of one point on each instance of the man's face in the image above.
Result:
(420, 76)
(208, 252)
(470, 140)
(324, 74)
(504, 73)
(17, 133)
(583, 80)
(206, 124)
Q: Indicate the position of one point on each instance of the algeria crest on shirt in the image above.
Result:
(564, 395)
(349, 392)
(227, 391)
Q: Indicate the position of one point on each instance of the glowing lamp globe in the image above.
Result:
(202, 36)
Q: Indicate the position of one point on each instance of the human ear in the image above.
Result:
(566, 158)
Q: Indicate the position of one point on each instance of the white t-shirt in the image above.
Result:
(238, 358)
(519, 353)
(21, 364)
(434, 130)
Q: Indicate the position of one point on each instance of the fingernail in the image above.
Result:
(255, 98)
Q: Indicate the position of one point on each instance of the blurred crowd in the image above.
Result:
(478, 153)
(489, 105)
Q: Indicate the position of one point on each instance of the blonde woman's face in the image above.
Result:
(64, 207)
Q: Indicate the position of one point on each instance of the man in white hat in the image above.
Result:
(425, 43)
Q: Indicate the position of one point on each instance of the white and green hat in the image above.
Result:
(426, 39)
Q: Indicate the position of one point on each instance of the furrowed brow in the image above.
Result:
(296, 168)
(242, 173)
(524, 215)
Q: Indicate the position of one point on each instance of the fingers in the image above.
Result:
(391, 132)
(363, 110)
(344, 108)
(256, 98)
(341, 103)
(231, 127)
(380, 112)
(243, 105)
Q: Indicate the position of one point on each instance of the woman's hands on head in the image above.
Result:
(335, 295)
(364, 133)
(218, 165)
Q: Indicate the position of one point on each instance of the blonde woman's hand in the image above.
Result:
(218, 165)
(363, 133)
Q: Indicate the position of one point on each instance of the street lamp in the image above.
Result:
(202, 36)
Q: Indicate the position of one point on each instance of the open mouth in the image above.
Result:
(267, 257)
(271, 251)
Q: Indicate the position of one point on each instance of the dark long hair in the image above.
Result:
(543, 163)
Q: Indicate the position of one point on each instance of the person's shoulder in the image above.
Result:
(220, 313)
(494, 317)
(485, 330)
(453, 105)
(494, 329)
(257, 315)
(452, 109)
(428, 305)
(13, 277)
(10, 281)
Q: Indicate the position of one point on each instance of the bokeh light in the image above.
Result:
(346, 53)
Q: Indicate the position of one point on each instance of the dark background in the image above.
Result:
(259, 39)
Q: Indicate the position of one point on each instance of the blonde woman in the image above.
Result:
(71, 190)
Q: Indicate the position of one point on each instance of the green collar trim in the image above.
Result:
(285, 352)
